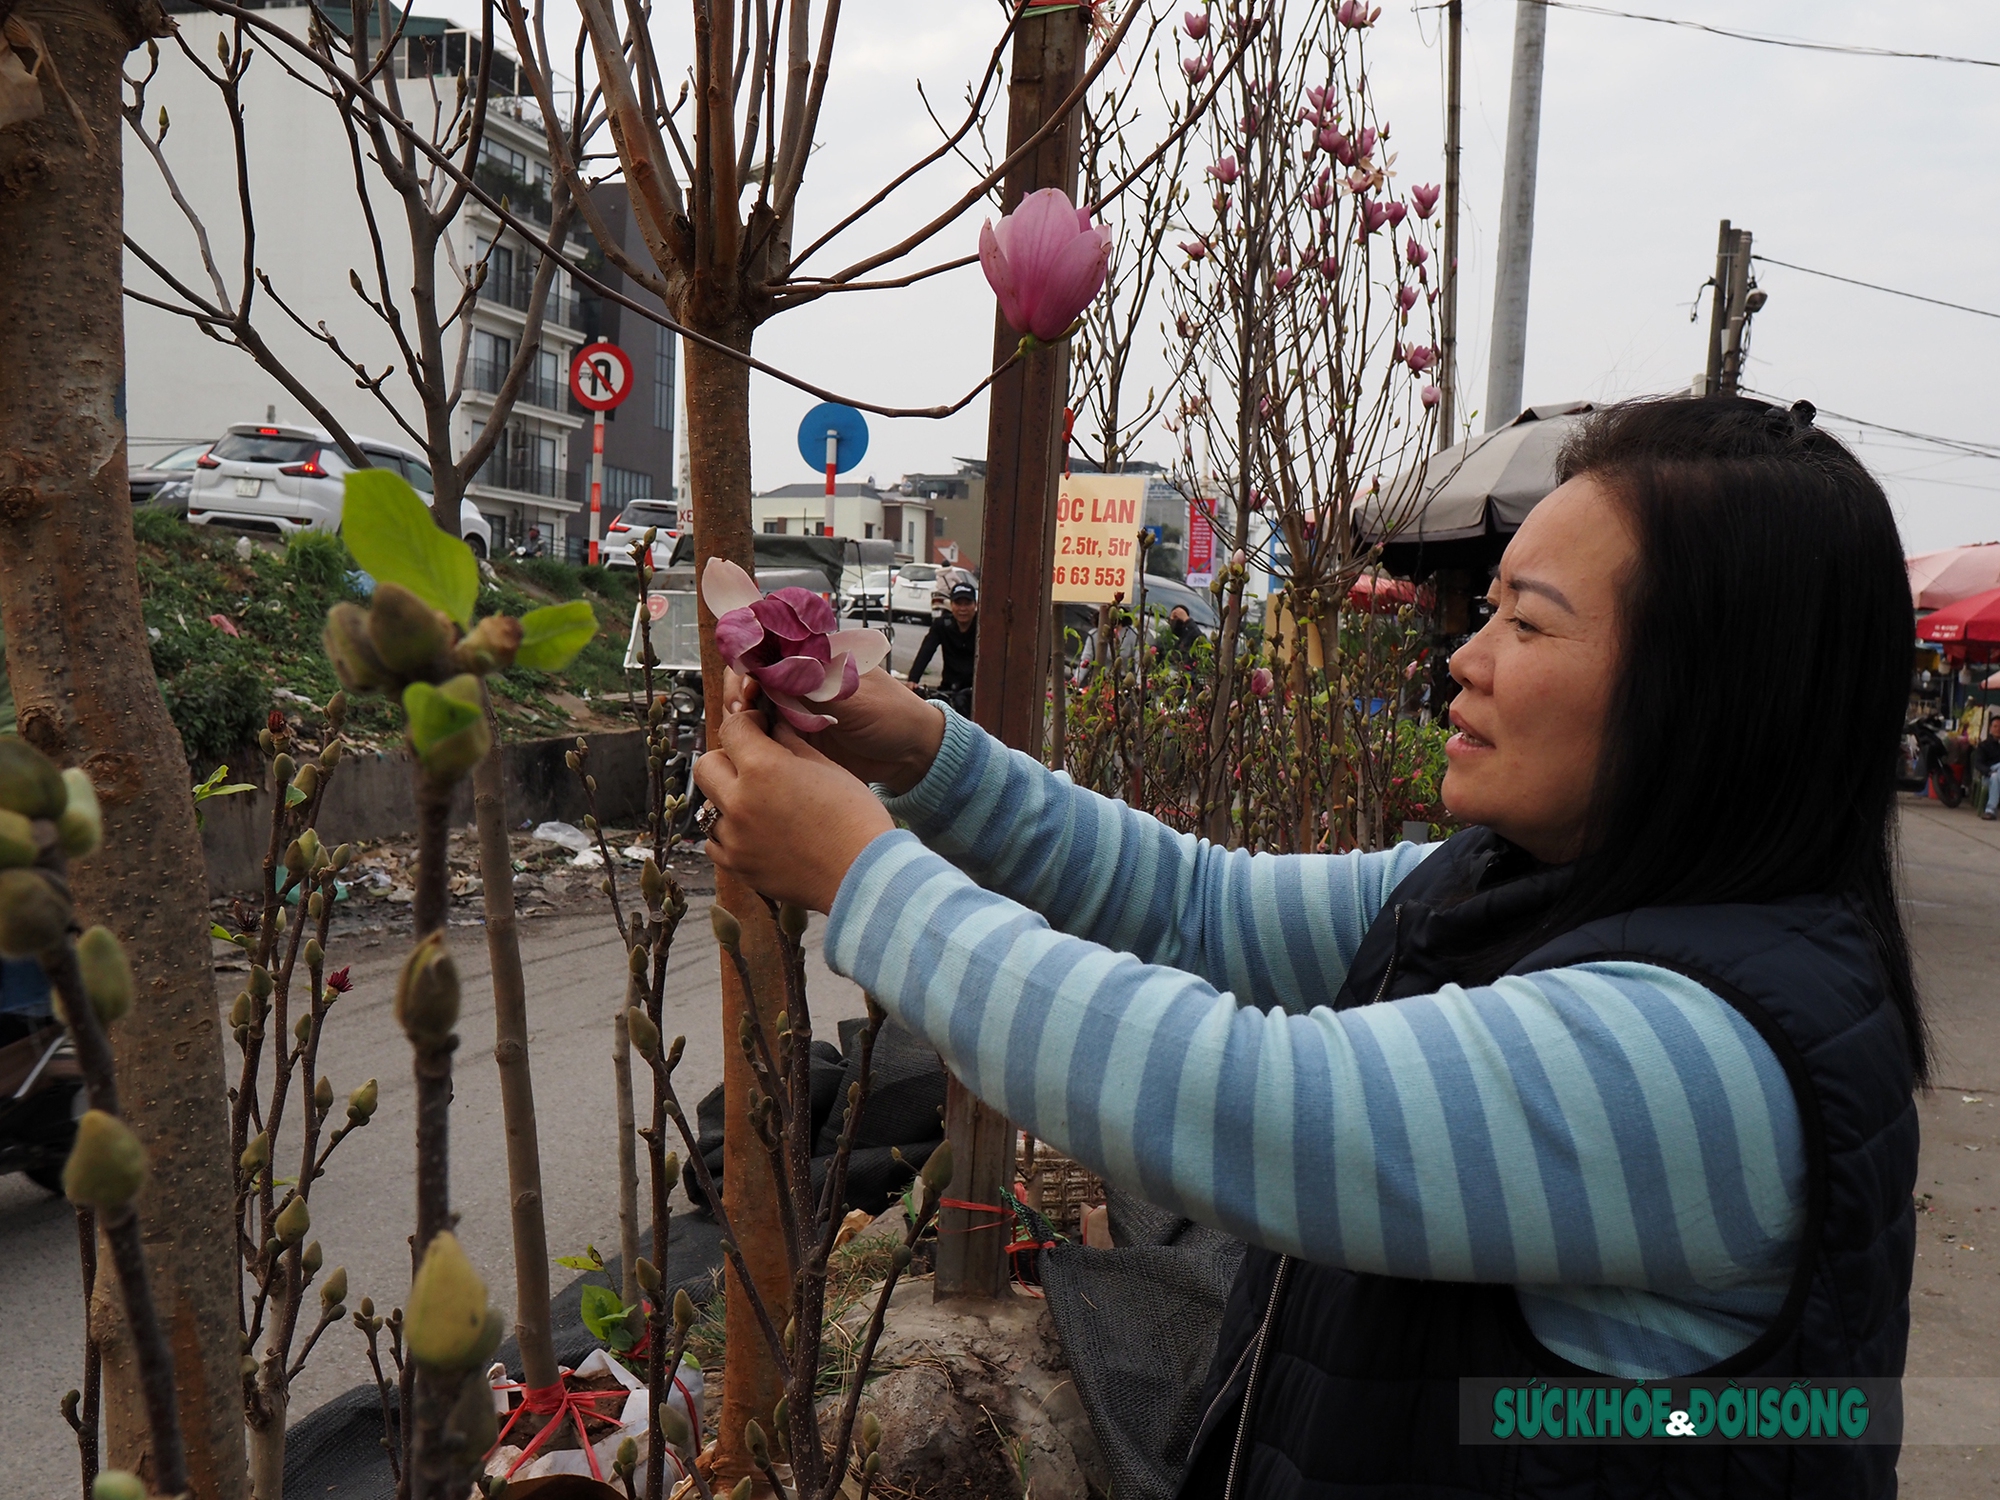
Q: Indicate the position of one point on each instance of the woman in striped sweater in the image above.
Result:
(1618, 1080)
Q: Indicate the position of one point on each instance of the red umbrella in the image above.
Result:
(1941, 578)
(1376, 594)
(1968, 623)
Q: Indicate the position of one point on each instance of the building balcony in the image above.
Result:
(524, 477)
(517, 290)
(487, 376)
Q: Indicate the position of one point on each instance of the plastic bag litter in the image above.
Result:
(568, 835)
(685, 1395)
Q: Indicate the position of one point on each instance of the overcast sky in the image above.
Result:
(1874, 168)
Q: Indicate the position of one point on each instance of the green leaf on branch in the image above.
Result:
(552, 636)
(434, 715)
(577, 1263)
(294, 796)
(213, 786)
(609, 1320)
(389, 530)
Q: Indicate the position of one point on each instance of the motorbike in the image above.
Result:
(684, 702)
(41, 1098)
(960, 699)
(1928, 762)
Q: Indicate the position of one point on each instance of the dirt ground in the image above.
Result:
(1951, 865)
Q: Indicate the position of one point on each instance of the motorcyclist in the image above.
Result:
(955, 637)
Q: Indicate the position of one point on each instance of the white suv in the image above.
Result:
(278, 480)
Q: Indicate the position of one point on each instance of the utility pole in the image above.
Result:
(1509, 350)
(1447, 432)
(1735, 300)
(1024, 436)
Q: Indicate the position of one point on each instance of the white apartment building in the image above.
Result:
(183, 386)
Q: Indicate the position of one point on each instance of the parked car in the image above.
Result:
(868, 593)
(910, 591)
(622, 535)
(164, 483)
(279, 480)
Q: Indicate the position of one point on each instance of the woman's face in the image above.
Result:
(1536, 680)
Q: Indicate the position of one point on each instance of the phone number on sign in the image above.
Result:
(1086, 577)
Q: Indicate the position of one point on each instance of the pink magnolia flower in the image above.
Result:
(788, 642)
(1396, 210)
(1224, 171)
(1365, 141)
(1282, 278)
(1195, 24)
(1341, 147)
(1044, 262)
(1419, 358)
(1359, 181)
(1197, 67)
(1354, 14)
(1426, 199)
(1432, 395)
(1321, 192)
(1196, 249)
(1329, 268)
(1261, 682)
(1373, 215)
(1407, 296)
(1414, 253)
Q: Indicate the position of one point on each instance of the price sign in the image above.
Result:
(1097, 530)
(1201, 542)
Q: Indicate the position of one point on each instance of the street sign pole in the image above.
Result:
(834, 437)
(832, 467)
(596, 485)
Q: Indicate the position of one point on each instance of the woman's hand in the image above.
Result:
(792, 821)
(885, 733)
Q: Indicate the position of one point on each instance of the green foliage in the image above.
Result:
(160, 527)
(552, 636)
(391, 534)
(435, 715)
(318, 558)
(563, 579)
(610, 1321)
(214, 693)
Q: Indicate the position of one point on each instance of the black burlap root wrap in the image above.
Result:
(904, 1112)
(336, 1453)
(1138, 1326)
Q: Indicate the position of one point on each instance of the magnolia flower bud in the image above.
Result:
(409, 636)
(645, 1035)
(457, 753)
(445, 1321)
(293, 1220)
(683, 1312)
(323, 1094)
(260, 982)
(728, 931)
(80, 825)
(347, 646)
(753, 1439)
(30, 784)
(239, 1012)
(361, 1103)
(572, 760)
(257, 1155)
(341, 857)
(472, 1426)
(490, 647)
(674, 1427)
(871, 1433)
(282, 767)
(744, 1489)
(427, 993)
(937, 1170)
(635, 962)
(116, 1484)
(307, 779)
(107, 976)
(792, 920)
(34, 915)
(311, 1259)
(652, 884)
(330, 756)
(107, 1165)
(648, 1275)
(17, 841)
(335, 1291)
(627, 1457)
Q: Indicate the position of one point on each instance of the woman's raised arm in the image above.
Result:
(1281, 928)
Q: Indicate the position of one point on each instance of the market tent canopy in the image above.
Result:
(1941, 578)
(1961, 626)
(1461, 504)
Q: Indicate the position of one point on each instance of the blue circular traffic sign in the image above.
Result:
(844, 425)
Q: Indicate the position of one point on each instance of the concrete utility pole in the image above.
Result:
(1734, 302)
(1509, 350)
(1447, 430)
(1016, 553)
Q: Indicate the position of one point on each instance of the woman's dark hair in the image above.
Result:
(1754, 729)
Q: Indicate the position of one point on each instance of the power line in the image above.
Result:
(1874, 287)
(1768, 39)
(1967, 446)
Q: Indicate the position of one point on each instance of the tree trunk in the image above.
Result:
(82, 675)
(718, 438)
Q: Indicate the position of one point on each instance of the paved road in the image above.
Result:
(362, 1209)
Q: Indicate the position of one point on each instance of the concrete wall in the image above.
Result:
(371, 797)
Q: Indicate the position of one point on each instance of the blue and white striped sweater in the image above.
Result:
(1612, 1139)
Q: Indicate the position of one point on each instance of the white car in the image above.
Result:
(621, 537)
(279, 480)
(910, 590)
(868, 591)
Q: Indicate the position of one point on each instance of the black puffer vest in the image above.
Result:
(1353, 1377)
